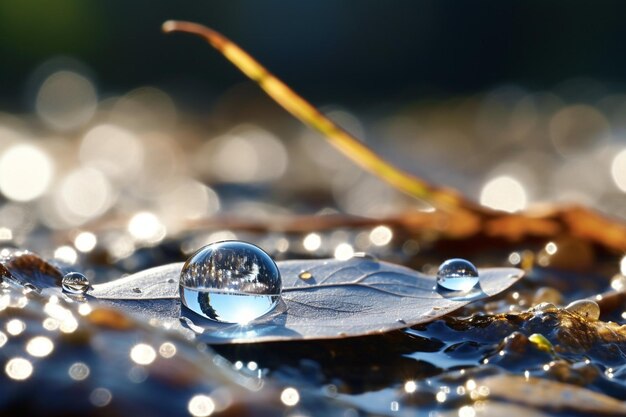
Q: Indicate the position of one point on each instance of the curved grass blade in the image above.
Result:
(445, 199)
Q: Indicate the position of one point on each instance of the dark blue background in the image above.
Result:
(356, 51)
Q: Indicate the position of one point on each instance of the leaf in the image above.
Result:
(356, 297)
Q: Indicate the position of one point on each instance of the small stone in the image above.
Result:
(587, 308)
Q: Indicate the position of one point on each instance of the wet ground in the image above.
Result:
(472, 362)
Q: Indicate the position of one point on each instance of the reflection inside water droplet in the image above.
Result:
(75, 283)
(457, 275)
(230, 282)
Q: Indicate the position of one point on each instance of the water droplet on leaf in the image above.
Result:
(231, 282)
(75, 283)
(305, 275)
(457, 275)
(28, 287)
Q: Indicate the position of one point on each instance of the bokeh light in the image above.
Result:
(112, 150)
(188, 200)
(85, 241)
(39, 346)
(245, 154)
(344, 251)
(15, 327)
(100, 397)
(78, 371)
(201, 406)
(410, 387)
(467, 411)
(167, 350)
(312, 242)
(290, 396)
(66, 100)
(578, 128)
(618, 170)
(25, 172)
(143, 354)
(85, 193)
(146, 227)
(66, 254)
(381, 235)
(18, 369)
(504, 193)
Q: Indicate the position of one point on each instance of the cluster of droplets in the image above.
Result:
(237, 282)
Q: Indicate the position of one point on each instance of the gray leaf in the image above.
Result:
(356, 297)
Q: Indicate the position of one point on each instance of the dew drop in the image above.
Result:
(457, 275)
(364, 255)
(305, 275)
(230, 282)
(586, 308)
(28, 287)
(543, 306)
(75, 283)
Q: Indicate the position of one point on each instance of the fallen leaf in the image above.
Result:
(356, 297)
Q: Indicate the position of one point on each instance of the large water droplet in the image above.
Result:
(231, 282)
(457, 275)
(75, 283)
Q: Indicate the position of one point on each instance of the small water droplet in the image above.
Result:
(28, 287)
(230, 282)
(457, 275)
(75, 283)
(137, 290)
(543, 306)
(305, 275)
(365, 255)
(586, 308)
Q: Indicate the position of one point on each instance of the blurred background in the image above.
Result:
(104, 117)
